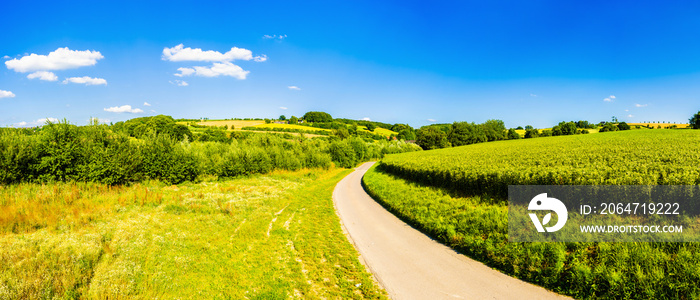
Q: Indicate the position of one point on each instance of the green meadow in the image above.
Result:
(272, 236)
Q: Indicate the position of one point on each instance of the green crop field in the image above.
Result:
(272, 236)
(458, 195)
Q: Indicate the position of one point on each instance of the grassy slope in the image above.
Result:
(264, 237)
(478, 226)
(378, 130)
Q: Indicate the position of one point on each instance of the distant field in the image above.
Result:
(270, 236)
(663, 125)
(290, 126)
(378, 130)
(238, 124)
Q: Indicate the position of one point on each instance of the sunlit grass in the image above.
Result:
(268, 236)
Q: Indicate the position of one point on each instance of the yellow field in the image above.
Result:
(378, 130)
(237, 124)
(663, 125)
(290, 126)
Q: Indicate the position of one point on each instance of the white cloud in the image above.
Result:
(533, 95)
(216, 70)
(86, 80)
(146, 104)
(38, 122)
(152, 110)
(180, 53)
(282, 107)
(260, 58)
(432, 120)
(607, 100)
(274, 36)
(179, 82)
(124, 108)
(627, 110)
(641, 105)
(6, 57)
(630, 116)
(612, 96)
(294, 87)
(61, 59)
(6, 94)
(185, 72)
(43, 75)
(366, 119)
(44, 120)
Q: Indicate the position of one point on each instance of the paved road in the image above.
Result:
(410, 265)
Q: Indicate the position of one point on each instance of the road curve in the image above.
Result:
(410, 265)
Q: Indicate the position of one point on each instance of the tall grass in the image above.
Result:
(273, 236)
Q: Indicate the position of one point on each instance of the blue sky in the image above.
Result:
(524, 62)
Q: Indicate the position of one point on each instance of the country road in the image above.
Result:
(410, 265)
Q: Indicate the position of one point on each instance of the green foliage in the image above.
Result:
(609, 127)
(293, 120)
(407, 135)
(371, 126)
(512, 134)
(695, 121)
(531, 133)
(529, 127)
(98, 153)
(160, 124)
(317, 117)
(495, 130)
(282, 118)
(430, 137)
(623, 126)
(463, 133)
(343, 154)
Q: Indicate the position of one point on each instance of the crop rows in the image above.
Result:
(620, 158)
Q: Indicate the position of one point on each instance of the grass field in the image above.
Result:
(457, 196)
(262, 237)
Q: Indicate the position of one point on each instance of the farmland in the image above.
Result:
(457, 196)
(258, 237)
(270, 127)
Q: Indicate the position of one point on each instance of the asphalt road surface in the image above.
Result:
(409, 264)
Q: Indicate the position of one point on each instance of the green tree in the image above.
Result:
(695, 121)
(431, 137)
(293, 120)
(495, 130)
(529, 127)
(512, 135)
(463, 133)
(317, 117)
(283, 118)
(567, 128)
(407, 135)
(371, 126)
(623, 126)
(531, 132)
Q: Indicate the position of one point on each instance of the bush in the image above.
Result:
(343, 154)
(695, 121)
(609, 127)
(531, 132)
(165, 160)
(317, 117)
(513, 135)
(463, 133)
(431, 138)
